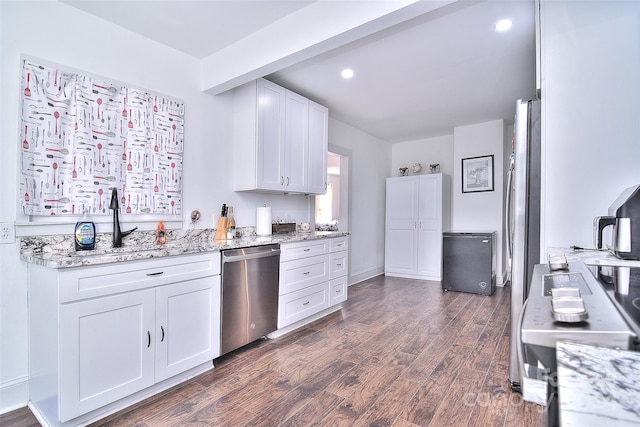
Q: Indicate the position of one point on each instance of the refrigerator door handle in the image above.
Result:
(508, 219)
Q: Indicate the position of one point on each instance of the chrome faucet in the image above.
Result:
(117, 233)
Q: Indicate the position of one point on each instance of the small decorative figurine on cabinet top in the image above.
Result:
(404, 171)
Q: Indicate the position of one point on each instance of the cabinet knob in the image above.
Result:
(306, 272)
(305, 303)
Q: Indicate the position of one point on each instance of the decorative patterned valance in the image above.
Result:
(82, 136)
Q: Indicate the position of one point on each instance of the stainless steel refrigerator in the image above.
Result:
(522, 219)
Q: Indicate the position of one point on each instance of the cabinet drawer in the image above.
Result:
(338, 291)
(300, 304)
(339, 244)
(301, 273)
(88, 282)
(290, 251)
(338, 264)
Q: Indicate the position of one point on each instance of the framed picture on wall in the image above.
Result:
(477, 174)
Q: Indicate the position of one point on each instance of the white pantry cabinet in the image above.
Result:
(313, 277)
(418, 211)
(280, 138)
(102, 337)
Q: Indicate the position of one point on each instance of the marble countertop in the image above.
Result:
(591, 256)
(598, 386)
(57, 251)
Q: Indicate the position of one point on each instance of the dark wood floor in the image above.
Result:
(400, 353)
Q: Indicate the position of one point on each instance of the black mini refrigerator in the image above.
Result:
(469, 262)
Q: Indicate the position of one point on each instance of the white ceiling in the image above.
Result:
(418, 79)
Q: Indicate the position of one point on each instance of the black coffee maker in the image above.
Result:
(624, 217)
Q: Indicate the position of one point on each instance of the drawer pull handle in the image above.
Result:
(306, 272)
(162, 329)
(305, 303)
(338, 291)
(339, 244)
(158, 273)
(307, 250)
(149, 339)
(339, 265)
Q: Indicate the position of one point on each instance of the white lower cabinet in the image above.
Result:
(187, 323)
(103, 350)
(297, 305)
(313, 277)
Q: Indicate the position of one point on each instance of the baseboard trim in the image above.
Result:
(14, 394)
(365, 276)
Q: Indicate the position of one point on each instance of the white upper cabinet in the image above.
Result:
(318, 148)
(280, 138)
(296, 143)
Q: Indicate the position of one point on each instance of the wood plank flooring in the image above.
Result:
(400, 353)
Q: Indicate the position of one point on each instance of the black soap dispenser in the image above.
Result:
(85, 235)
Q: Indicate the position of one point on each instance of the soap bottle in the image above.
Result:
(85, 234)
(231, 224)
(161, 234)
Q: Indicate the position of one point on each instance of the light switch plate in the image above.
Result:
(7, 233)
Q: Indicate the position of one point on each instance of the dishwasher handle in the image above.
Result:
(234, 255)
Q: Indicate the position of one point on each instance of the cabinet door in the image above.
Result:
(401, 244)
(430, 227)
(270, 136)
(318, 148)
(106, 350)
(187, 325)
(296, 142)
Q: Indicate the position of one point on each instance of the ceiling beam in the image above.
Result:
(322, 26)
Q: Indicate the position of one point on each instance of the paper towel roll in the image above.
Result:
(263, 221)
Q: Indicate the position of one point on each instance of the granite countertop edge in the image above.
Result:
(61, 253)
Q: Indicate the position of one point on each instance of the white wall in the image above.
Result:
(480, 211)
(58, 33)
(590, 113)
(370, 163)
(424, 151)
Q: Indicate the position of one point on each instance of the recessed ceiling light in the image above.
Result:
(347, 73)
(503, 25)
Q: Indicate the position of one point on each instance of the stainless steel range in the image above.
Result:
(592, 318)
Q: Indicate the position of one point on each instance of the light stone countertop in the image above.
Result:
(57, 251)
(598, 386)
(591, 257)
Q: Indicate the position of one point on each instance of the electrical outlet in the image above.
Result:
(8, 233)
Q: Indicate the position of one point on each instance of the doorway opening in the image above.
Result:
(332, 208)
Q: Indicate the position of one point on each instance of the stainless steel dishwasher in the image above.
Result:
(249, 294)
